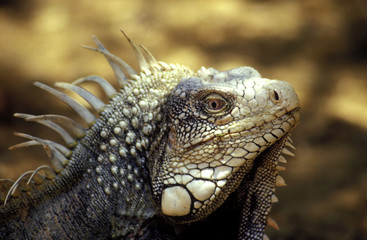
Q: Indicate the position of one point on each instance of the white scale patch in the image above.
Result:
(236, 162)
(176, 201)
(239, 152)
(222, 172)
(202, 190)
(207, 173)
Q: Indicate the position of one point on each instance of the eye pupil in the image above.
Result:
(215, 104)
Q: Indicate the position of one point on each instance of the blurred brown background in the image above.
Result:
(318, 46)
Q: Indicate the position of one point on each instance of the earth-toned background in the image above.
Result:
(318, 46)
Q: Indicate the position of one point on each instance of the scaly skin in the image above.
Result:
(173, 155)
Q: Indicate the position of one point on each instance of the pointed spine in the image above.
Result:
(117, 64)
(282, 159)
(67, 123)
(287, 152)
(109, 90)
(84, 113)
(141, 59)
(97, 104)
(289, 144)
(14, 187)
(280, 168)
(118, 68)
(69, 140)
(150, 58)
(272, 223)
(279, 181)
(37, 141)
(49, 173)
(58, 160)
(274, 198)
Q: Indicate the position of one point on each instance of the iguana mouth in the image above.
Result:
(295, 113)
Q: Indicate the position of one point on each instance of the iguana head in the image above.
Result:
(219, 123)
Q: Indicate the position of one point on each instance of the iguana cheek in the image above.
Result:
(176, 201)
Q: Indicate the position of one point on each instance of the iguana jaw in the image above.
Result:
(177, 200)
(193, 194)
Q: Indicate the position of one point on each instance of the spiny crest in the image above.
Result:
(279, 180)
(68, 129)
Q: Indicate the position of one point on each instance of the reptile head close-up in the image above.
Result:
(220, 124)
(171, 155)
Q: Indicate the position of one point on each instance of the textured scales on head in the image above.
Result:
(227, 132)
(170, 148)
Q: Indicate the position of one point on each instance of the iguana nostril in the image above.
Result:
(274, 96)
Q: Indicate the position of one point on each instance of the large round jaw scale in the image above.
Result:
(176, 201)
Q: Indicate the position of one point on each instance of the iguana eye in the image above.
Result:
(214, 103)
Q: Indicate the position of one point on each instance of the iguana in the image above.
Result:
(174, 154)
